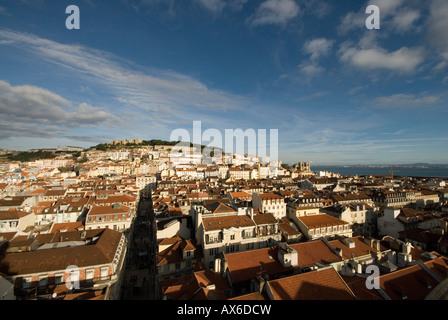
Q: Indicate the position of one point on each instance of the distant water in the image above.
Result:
(398, 171)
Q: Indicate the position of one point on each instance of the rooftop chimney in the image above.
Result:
(287, 255)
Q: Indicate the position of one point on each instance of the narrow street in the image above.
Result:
(139, 282)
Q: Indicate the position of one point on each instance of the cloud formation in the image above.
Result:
(397, 16)
(157, 91)
(403, 60)
(316, 48)
(274, 12)
(438, 26)
(33, 111)
(401, 100)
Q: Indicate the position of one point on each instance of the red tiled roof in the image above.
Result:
(13, 214)
(360, 249)
(321, 284)
(321, 220)
(99, 210)
(225, 222)
(67, 226)
(269, 196)
(246, 265)
(100, 252)
(411, 283)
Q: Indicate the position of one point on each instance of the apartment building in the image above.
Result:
(270, 202)
(237, 173)
(322, 225)
(24, 203)
(239, 196)
(293, 210)
(105, 199)
(176, 256)
(248, 270)
(224, 234)
(56, 262)
(396, 199)
(116, 217)
(145, 183)
(67, 209)
(355, 214)
(15, 220)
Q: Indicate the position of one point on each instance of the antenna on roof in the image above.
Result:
(261, 271)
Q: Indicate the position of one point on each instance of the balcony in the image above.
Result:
(213, 240)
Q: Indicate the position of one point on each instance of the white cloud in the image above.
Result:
(213, 5)
(405, 20)
(319, 47)
(310, 68)
(316, 48)
(441, 66)
(44, 113)
(318, 8)
(406, 101)
(438, 26)
(276, 12)
(387, 7)
(396, 16)
(356, 90)
(162, 92)
(403, 60)
(350, 21)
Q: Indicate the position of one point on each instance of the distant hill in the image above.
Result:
(131, 145)
(26, 156)
(154, 142)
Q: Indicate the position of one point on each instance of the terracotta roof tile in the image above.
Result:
(321, 284)
(247, 265)
(321, 220)
(100, 252)
(412, 283)
(219, 223)
(13, 214)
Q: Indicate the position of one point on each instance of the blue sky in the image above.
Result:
(337, 92)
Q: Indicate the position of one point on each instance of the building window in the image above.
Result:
(89, 274)
(232, 237)
(58, 278)
(43, 281)
(26, 282)
(104, 272)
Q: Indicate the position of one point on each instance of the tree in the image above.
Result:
(83, 158)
